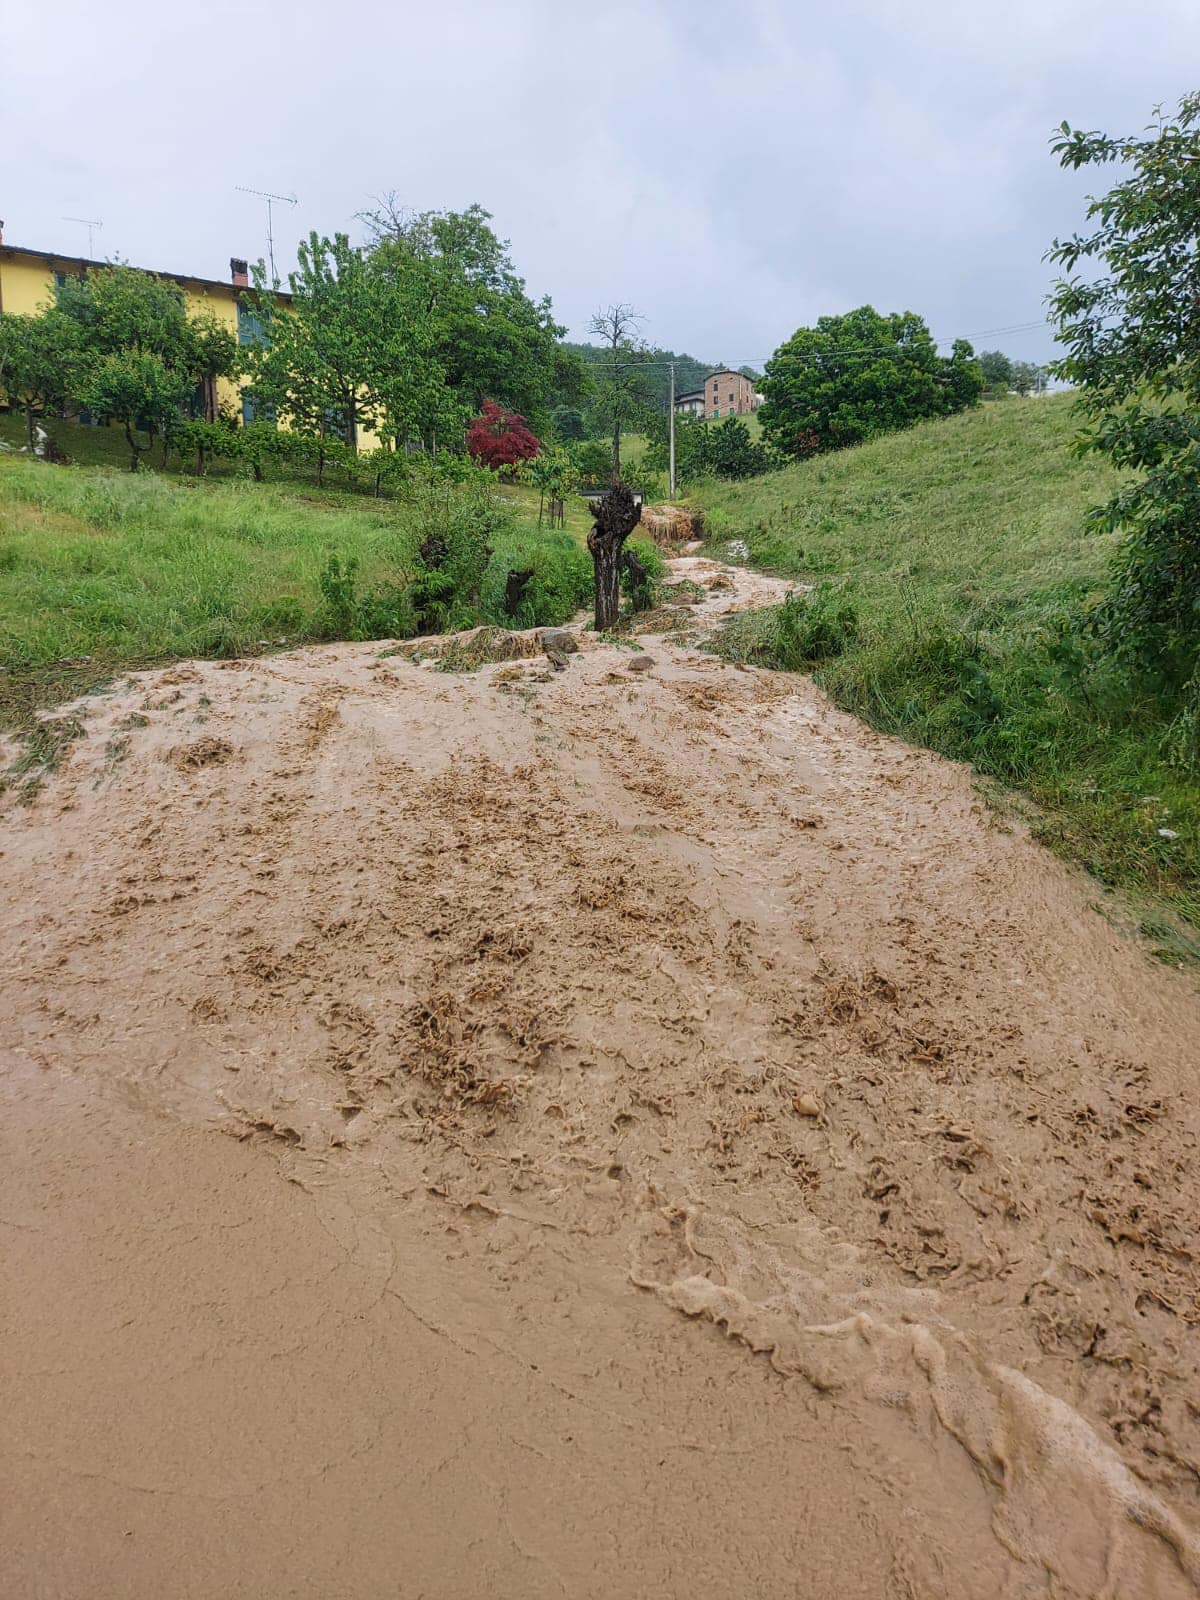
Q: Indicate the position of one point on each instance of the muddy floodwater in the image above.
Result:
(619, 1131)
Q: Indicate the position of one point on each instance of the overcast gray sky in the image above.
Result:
(735, 170)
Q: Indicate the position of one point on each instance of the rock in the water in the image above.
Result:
(557, 641)
(640, 664)
(557, 660)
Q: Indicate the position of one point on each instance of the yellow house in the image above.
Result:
(29, 278)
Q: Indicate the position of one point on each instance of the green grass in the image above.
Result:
(952, 571)
(102, 569)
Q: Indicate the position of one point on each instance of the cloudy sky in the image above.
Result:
(735, 170)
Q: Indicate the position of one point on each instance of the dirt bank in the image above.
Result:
(676, 1140)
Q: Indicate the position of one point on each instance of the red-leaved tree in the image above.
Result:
(501, 438)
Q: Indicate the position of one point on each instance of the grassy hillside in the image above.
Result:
(951, 573)
(102, 569)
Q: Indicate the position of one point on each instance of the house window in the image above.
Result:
(250, 329)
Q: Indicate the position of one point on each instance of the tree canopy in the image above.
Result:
(39, 363)
(500, 438)
(139, 357)
(722, 449)
(1130, 328)
(854, 376)
(621, 398)
(353, 347)
(490, 339)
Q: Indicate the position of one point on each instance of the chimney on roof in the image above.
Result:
(239, 272)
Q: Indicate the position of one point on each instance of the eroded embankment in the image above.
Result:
(720, 1154)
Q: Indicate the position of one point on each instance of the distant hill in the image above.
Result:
(690, 371)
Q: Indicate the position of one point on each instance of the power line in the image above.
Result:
(855, 350)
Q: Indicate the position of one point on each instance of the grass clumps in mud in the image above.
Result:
(45, 744)
(950, 574)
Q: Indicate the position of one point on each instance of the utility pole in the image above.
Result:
(671, 426)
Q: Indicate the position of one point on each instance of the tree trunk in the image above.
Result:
(640, 591)
(616, 517)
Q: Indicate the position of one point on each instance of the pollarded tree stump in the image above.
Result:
(616, 516)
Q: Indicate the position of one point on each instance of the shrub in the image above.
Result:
(385, 612)
(535, 581)
(643, 595)
(458, 529)
(812, 627)
(500, 438)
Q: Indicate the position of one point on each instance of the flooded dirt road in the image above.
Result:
(617, 1131)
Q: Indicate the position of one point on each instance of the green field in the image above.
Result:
(102, 569)
(951, 572)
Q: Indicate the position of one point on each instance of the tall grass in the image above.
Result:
(957, 550)
(124, 569)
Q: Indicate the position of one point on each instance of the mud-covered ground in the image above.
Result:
(622, 1131)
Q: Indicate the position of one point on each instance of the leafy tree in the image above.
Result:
(960, 380)
(1131, 329)
(215, 354)
(592, 460)
(552, 474)
(1027, 377)
(38, 362)
(622, 398)
(500, 438)
(489, 337)
(567, 423)
(142, 359)
(855, 376)
(324, 351)
(352, 348)
(997, 369)
(706, 449)
(141, 391)
(731, 451)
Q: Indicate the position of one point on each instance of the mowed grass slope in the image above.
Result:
(952, 572)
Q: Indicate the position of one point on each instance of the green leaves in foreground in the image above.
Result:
(1130, 325)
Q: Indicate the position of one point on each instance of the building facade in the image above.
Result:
(30, 278)
(729, 394)
(690, 405)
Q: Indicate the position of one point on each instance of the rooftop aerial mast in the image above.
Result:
(272, 200)
(91, 224)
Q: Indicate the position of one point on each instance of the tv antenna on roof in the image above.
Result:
(90, 223)
(272, 200)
